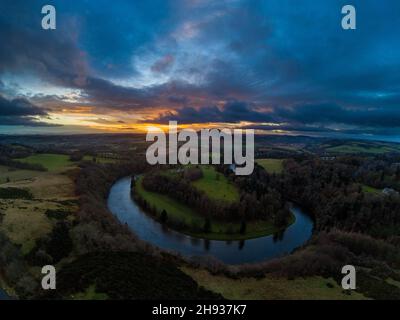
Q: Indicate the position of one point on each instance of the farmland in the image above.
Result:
(271, 165)
(52, 162)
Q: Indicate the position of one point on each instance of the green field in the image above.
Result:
(270, 288)
(90, 294)
(51, 162)
(219, 230)
(216, 186)
(363, 147)
(368, 189)
(271, 165)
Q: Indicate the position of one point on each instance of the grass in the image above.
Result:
(25, 221)
(12, 174)
(270, 288)
(393, 282)
(368, 189)
(192, 220)
(90, 294)
(271, 165)
(216, 186)
(363, 147)
(52, 162)
(47, 186)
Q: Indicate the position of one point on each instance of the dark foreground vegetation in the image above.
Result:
(125, 275)
(335, 192)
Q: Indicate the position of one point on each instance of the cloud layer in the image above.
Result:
(228, 61)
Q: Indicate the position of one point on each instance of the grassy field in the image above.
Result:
(25, 221)
(271, 165)
(51, 162)
(368, 189)
(90, 294)
(12, 174)
(269, 288)
(193, 220)
(216, 186)
(363, 147)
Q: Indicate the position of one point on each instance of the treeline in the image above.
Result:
(97, 229)
(15, 193)
(54, 247)
(333, 192)
(4, 161)
(380, 172)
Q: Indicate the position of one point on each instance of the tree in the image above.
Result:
(243, 227)
(164, 216)
(207, 225)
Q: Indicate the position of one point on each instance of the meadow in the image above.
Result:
(24, 219)
(272, 288)
(271, 165)
(8, 174)
(363, 148)
(216, 186)
(369, 189)
(52, 162)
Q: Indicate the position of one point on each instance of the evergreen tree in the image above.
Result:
(164, 216)
(243, 227)
(207, 226)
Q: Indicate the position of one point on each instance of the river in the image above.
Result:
(3, 295)
(260, 249)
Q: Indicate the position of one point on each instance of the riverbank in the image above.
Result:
(186, 220)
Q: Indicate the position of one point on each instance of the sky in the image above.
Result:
(277, 66)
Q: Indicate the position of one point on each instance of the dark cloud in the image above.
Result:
(19, 107)
(299, 118)
(49, 56)
(335, 114)
(232, 111)
(208, 61)
(20, 112)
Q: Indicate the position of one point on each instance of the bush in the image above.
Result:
(15, 193)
